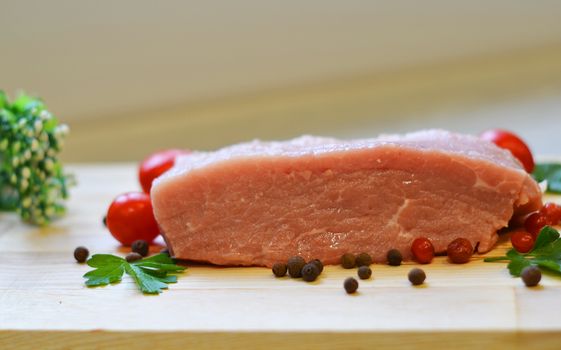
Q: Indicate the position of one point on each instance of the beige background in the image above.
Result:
(133, 76)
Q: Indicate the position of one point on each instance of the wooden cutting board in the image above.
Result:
(44, 303)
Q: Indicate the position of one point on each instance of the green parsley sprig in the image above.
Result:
(550, 172)
(150, 274)
(546, 254)
(32, 180)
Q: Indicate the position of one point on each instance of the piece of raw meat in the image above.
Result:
(258, 203)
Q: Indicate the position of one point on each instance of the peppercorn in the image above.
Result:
(318, 264)
(295, 265)
(531, 275)
(416, 276)
(423, 250)
(133, 256)
(105, 220)
(363, 259)
(394, 257)
(351, 285)
(459, 251)
(81, 254)
(310, 272)
(348, 261)
(140, 246)
(364, 272)
(279, 270)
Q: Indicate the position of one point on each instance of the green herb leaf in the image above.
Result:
(158, 266)
(550, 172)
(105, 275)
(549, 265)
(546, 236)
(159, 258)
(546, 254)
(151, 275)
(517, 264)
(147, 283)
(101, 260)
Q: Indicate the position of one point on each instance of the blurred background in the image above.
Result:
(132, 76)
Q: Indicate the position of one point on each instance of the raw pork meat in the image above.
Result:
(258, 203)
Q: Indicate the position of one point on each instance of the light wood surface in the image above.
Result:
(45, 304)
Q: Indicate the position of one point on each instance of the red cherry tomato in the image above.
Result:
(522, 241)
(422, 250)
(155, 165)
(552, 213)
(534, 223)
(513, 143)
(130, 217)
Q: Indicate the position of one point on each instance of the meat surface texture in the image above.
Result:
(258, 203)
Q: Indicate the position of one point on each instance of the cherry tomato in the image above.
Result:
(155, 165)
(513, 143)
(422, 250)
(522, 241)
(130, 218)
(534, 223)
(552, 213)
(459, 251)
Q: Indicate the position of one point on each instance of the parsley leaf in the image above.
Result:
(517, 264)
(151, 275)
(546, 254)
(550, 172)
(109, 269)
(547, 236)
(147, 282)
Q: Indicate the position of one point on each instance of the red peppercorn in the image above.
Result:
(459, 251)
(522, 241)
(534, 223)
(422, 250)
(552, 213)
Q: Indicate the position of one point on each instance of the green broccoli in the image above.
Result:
(32, 180)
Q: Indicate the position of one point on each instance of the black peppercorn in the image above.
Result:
(133, 257)
(416, 276)
(310, 272)
(394, 257)
(140, 246)
(364, 272)
(318, 264)
(363, 259)
(81, 254)
(295, 265)
(531, 275)
(279, 269)
(348, 261)
(105, 220)
(351, 285)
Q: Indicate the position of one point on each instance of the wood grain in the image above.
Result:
(45, 304)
